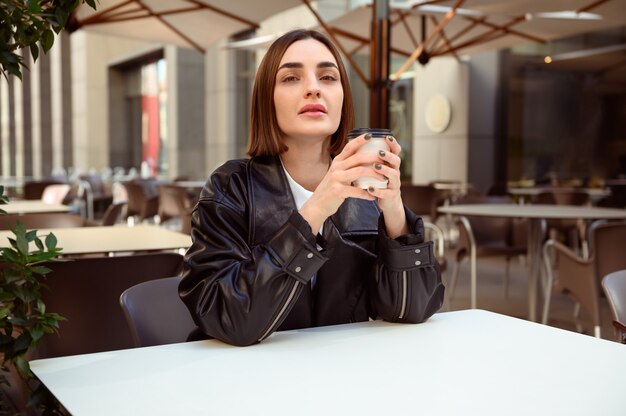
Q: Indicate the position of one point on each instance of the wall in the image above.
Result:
(441, 156)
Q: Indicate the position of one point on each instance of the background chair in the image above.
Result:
(421, 199)
(573, 230)
(42, 220)
(55, 193)
(155, 313)
(143, 200)
(111, 215)
(614, 285)
(580, 277)
(174, 202)
(34, 189)
(86, 291)
(484, 237)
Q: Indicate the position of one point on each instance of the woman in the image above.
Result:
(282, 240)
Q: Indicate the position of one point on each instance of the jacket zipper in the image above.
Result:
(404, 295)
(281, 312)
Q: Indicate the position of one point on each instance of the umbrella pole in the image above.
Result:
(379, 65)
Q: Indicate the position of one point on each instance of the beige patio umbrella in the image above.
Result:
(424, 29)
(192, 23)
(429, 28)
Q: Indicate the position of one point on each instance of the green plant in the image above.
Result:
(27, 23)
(23, 316)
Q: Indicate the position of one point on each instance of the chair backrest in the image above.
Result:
(562, 197)
(421, 199)
(173, 202)
(614, 285)
(155, 313)
(34, 189)
(607, 245)
(55, 193)
(86, 291)
(113, 213)
(42, 220)
(143, 198)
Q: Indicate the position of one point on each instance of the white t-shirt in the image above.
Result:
(300, 195)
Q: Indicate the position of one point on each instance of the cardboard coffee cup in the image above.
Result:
(375, 144)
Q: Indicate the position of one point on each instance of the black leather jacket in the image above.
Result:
(249, 270)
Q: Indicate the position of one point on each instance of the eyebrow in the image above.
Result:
(324, 64)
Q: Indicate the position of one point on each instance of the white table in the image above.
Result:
(33, 207)
(537, 214)
(458, 363)
(85, 240)
(595, 194)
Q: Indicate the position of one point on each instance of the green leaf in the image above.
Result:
(33, 6)
(47, 40)
(23, 366)
(34, 52)
(4, 312)
(36, 333)
(42, 270)
(51, 241)
(22, 342)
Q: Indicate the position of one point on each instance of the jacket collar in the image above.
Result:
(272, 204)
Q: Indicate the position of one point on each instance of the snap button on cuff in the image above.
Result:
(418, 251)
(309, 256)
(298, 269)
(417, 263)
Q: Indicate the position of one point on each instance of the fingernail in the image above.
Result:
(368, 136)
(382, 153)
(390, 138)
(371, 189)
(377, 166)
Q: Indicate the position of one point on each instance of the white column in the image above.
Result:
(171, 62)
(56, 102)
(35, 108)
(18, 102)
(4, 127)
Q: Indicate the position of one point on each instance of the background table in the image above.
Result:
(537, 214)
(595, 194)
(113, 239)
(33, 207)
(458, 363)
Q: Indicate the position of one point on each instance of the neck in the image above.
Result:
(307, 163)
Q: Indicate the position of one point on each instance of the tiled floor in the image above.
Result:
(491, 296)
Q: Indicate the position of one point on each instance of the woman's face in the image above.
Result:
(308, 95)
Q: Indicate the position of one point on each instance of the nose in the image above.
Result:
(313, 89)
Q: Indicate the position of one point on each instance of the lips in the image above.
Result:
(312, 108)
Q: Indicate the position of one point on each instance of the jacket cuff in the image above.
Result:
(407, 251)
(294, 247)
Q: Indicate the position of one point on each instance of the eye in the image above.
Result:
(328, 77)
(289, 78)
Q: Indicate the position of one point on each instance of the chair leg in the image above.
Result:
(507, 271)
(576, 314)
(473, 278)
(597, 331)
(455, 275)
(547, 296)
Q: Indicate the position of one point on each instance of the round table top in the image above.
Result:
(537, 190)
(535, 211)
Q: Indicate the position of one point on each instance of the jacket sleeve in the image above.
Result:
(407, 284)
(237, 293)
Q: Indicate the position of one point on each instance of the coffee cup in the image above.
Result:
(374, 145)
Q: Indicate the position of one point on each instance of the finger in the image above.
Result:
(393, 175)
(394, 146)
(384, 193)
(390, 159)
(350, 175)
(352, 146)
(355, 192)
(359, 158)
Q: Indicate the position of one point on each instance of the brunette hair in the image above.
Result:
(265, 135)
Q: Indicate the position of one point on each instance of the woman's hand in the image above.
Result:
(336, 185)
(389, 199)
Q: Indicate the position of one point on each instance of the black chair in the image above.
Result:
(86, 291)
(155, 313)
(614, 285)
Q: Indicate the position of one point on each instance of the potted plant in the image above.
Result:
(23, 316)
